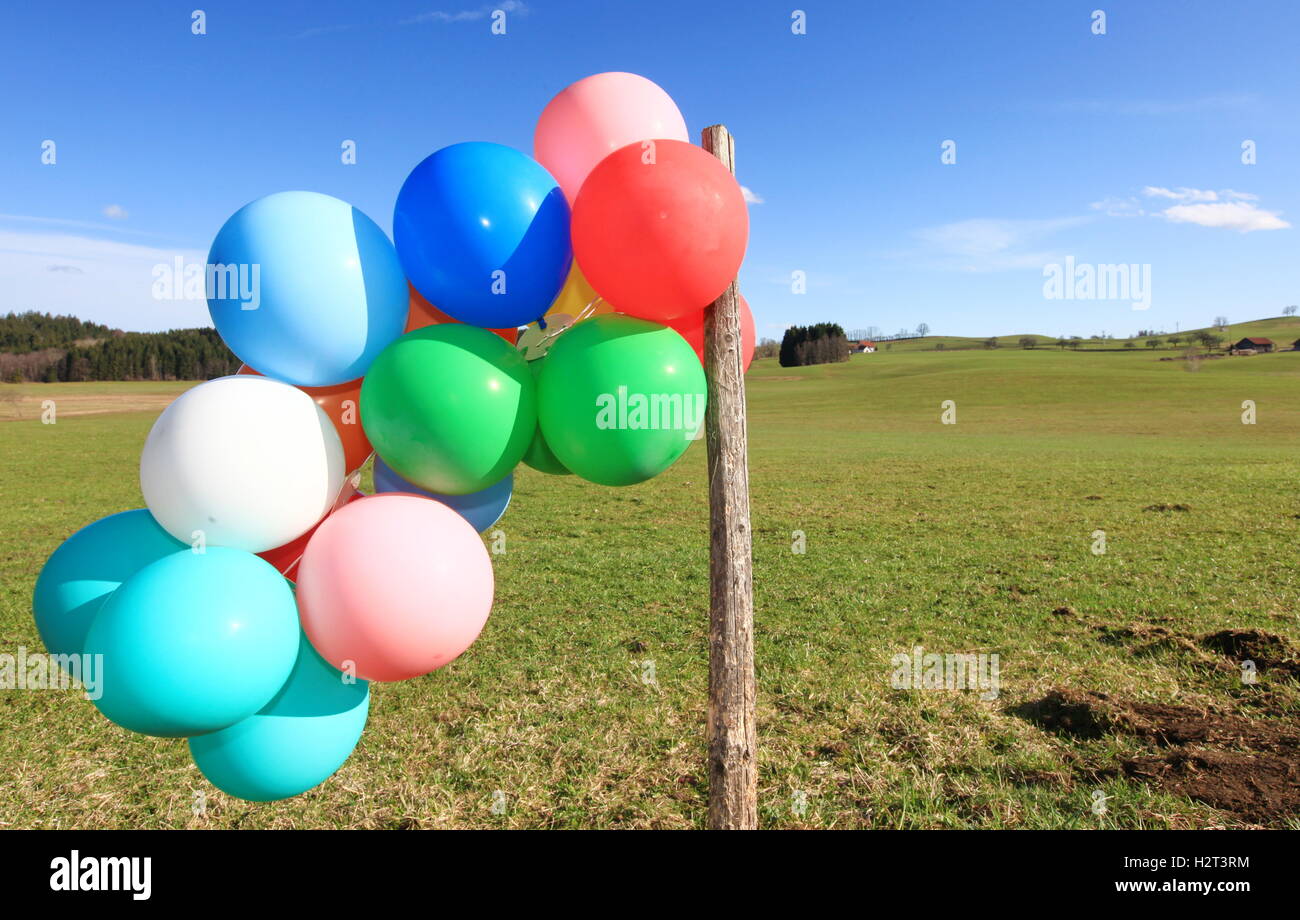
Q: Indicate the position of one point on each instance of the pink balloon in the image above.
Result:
(397, 584)
(592, 118)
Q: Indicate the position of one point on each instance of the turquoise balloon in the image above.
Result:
(88, 567)
(194, 642)
(306, 288)
(295, 742)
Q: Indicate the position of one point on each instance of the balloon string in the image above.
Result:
(585, 313)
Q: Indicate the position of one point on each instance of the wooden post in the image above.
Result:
(733, 763)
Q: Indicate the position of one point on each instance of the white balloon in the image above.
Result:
(245, 461)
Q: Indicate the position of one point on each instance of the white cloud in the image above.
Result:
(507, 6)
(107, 281)
(1241, 216)
(991, 244)
(116, 212)
(750, 196)
(325, 30)
(1119, 207)
(1181, 194)
(1225, 208)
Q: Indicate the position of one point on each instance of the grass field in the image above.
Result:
(582, 704)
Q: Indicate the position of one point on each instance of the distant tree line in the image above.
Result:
(43, 348)
(21, 333)
(822, 343)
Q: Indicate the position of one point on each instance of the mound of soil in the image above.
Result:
(1249, 767)
(1262, 788)
(1268, 651)
(1272, 654)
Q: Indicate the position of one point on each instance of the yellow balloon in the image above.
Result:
(576, 295)
(576, 301)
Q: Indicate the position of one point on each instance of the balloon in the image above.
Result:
(481, 509)
(399, 585)
(691, 327)
(539, 456)
(285, 558)
(294, 742)
(341, 403)
(194, 642)
(661, 239)
(592, 118)
(620, 399)
(482, 231)
(576, 302)
(245, 461)
(423, 314)
(88, 567)
(577, 298)
(320, 291)
(450, 408)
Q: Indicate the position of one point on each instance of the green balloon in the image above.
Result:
(620, 398)
(451, 408)
(540, 456)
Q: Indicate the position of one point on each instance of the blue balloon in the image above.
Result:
(88, 567)
(483, 233)
(482, 509)
(305, 288)
(194, 642)
(295, 742)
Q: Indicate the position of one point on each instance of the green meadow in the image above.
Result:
(877, 529)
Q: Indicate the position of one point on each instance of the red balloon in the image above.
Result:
(286, 558)
(691, 328)
(660, 231)
(341, 403)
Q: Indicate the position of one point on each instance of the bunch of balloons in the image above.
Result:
(249, 605)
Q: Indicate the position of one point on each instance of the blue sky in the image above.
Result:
(1123, 147)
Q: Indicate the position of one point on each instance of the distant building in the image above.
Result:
(1295, 346)
(1254, 345)
(863, 346)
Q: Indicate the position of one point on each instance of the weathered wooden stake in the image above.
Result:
(733, 763)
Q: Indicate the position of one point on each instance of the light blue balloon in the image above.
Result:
(483, 233)
(87, 568)
(328, 289)
(295, 742)
(194, 642)
(482, 508)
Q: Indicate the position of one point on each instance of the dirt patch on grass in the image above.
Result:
(1225, 650)
(1262, 788)
(1249, 767)
(1270, 652)
(1161, 506)
(30, 406)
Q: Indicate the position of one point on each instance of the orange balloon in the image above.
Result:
(691, 328)
(341, 403)
(286, 558)
(423, 314)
